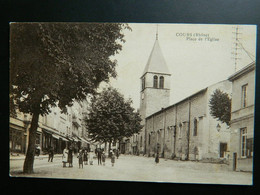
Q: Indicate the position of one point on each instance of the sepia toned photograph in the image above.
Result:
(143, 102)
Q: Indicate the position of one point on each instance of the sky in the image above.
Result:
(197, 55)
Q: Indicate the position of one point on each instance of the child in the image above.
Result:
(80, 157)
(103, 157)
(112, 159)
(91, 158)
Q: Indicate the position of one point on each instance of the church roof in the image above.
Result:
(156, 62)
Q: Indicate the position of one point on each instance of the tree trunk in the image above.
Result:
(29, 159)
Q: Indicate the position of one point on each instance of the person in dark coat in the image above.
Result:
(157, 158)
(80, 157)
(70, 156)
(51, 154)
(113, 158)
(85, 157)
(99, 154)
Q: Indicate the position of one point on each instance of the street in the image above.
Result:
(136, 168)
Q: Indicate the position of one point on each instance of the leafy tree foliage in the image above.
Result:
(220, 106)
(57, 63)
(111, 117)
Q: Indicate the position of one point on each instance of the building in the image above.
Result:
(154, 94)
(242, 118)
(55, 129)
(187, 131)
(18, 133)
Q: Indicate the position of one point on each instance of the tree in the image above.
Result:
(220, 106)
(53, 64)
(111, 117)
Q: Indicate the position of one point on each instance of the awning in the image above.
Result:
(64, 139)
(46, 131)
(75, 139)
(70, 138)
(85, 141)
(55, 136)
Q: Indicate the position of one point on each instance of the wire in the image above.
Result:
(249, 54)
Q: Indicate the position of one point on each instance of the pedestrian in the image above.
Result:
(80, 157)
(110, 153)
(51, 154)
(91, 155)
(113, 159)
(117, 153)
(99, 153)
(37, 150)
(157, 157)
(103, 158)
(70, 156)
(65, 156)
(85, 157)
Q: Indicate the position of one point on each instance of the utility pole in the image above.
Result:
(236, 45)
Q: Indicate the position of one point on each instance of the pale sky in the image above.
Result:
(193, 64)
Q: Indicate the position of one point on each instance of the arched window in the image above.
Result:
(195, 128)
(161, 83)
(143, 83)
(155, 82)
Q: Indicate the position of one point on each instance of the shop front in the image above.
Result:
(17, 140)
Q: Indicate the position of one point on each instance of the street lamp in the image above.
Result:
(218, 127)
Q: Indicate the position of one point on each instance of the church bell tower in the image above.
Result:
(155, 87)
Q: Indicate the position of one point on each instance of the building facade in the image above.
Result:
(187, 131)
(242, 118)
(56, 130)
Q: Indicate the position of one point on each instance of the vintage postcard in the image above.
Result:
(140, 102)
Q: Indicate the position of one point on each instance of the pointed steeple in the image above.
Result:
(156, 62)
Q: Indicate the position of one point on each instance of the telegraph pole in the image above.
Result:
(236, 45)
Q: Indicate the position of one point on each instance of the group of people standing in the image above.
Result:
(85, 157)
(67, 156)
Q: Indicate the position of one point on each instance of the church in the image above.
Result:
(184, 130)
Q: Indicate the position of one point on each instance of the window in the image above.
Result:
(243, 141)
(155, 82)
(249, 147)
(143, 83)
(195, 128)
(244, 96)
(141, 140)
(149, 139)
(161, 83)
(180, 130)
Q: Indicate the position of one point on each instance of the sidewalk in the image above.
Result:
(22, 156)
